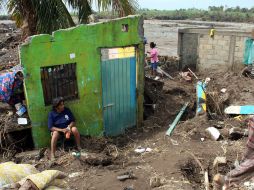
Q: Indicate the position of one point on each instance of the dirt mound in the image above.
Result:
(10, 38)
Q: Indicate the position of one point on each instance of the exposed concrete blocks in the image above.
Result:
(218, 52)
(224, 51)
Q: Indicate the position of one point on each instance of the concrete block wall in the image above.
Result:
(225, 51)
(213, 51)
(239, 51)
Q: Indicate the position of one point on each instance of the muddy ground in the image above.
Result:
(174, 162)
(165, 32)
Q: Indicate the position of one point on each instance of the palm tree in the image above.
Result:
(45, 16)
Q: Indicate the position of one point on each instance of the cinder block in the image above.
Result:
(202, 55)
(218, 47)
(211, 57)
(226, 37)
(237, 49)
(201, 46)
(208, 46)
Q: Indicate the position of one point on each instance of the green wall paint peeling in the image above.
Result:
(85, 41)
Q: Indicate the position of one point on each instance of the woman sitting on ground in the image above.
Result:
(61, 121)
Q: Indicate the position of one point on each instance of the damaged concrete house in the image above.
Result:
(97, 68)
(225, 50)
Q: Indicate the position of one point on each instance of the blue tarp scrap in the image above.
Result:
(249, 52)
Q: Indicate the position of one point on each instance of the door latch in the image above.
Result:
(109, 105)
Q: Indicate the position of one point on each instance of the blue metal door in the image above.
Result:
(118, 90)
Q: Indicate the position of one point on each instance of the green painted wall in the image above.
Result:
(85, 41)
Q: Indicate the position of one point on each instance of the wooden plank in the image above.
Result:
(206, 180)
(178, 117)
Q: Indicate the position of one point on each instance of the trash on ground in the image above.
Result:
(161, 71)
(218, 126)
(193, 73)
(219, 160)
(129, 188)
(186, 76)
(22, 121)
(239, 117)
(76, 154)
(157, 78)
(174, 142)
(206, 181)
(21, 111)
(242, 110)
(236, 163)
(142, 150)
(213, 133)
(249, 185)
(9, 113)
(11, 173)
(126, 175)
(201, 98)
(223, 90)
(155, 182)
(75, 174)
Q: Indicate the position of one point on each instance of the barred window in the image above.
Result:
(59, 80)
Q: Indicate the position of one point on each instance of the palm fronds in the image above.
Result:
(121, 7)
(45, 16)
(83, 8)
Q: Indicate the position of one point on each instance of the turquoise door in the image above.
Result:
(118, 91)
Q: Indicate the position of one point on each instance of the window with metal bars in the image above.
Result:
(59, 80)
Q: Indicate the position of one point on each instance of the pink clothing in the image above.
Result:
(154, 55)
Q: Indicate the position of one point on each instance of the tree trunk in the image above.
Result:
(29, 19)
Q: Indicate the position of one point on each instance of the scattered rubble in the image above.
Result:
(103, 157)
(126, 175)
(10, 38)
(155, 182)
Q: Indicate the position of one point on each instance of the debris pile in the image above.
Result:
(10, 38)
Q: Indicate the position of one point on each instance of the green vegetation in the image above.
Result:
(45, 16)
(235, 14)
(221, 13)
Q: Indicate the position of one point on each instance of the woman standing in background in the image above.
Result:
(154, 58)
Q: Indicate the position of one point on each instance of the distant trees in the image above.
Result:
(214, 8)
(220, 13)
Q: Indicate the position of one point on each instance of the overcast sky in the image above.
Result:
(184, 4)
(200, 4)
